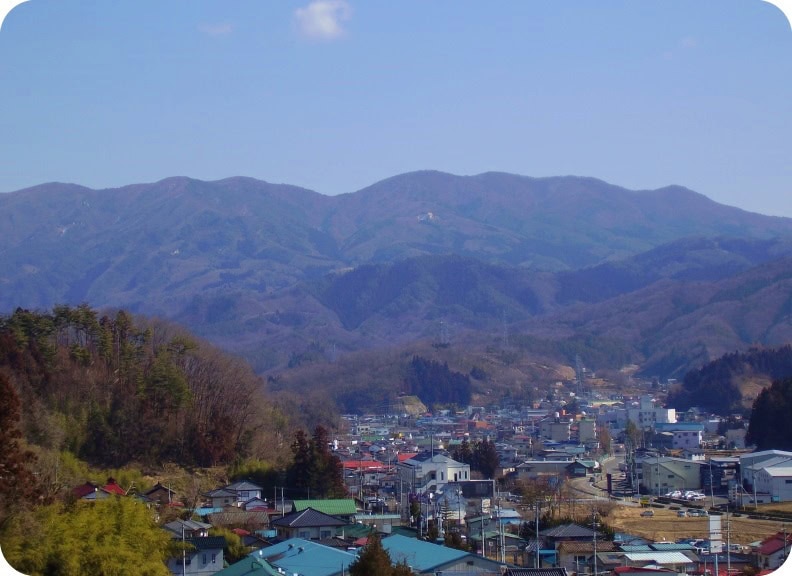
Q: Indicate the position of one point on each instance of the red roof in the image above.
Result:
(363, 464)
(83, 490)
(114, 488)
(361, 541)
(774, 543)
(240, 532)
(632, 569)
(407, 455)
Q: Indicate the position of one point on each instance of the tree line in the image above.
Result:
(114, 390)
(715, 387)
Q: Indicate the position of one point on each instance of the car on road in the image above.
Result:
(647, 513)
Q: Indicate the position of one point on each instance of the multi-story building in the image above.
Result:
(662, 475)
(647, 415)
(428, 472)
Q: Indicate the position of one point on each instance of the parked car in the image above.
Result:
(647, 513)
(681, 513)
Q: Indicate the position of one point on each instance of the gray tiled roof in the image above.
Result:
(307, 518)
(536, 572)
(568, 531)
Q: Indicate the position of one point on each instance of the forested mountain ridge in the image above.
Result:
(282, 274)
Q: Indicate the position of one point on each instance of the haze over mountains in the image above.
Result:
(272, 271)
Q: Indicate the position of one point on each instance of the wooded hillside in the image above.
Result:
(113, 389)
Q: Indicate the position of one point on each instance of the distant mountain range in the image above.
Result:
(275, 271)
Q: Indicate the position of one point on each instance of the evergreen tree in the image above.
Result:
(770, 426)
(485, 458)
(17, 482)
(374, 560)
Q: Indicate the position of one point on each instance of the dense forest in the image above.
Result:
(717, 386)
(770, 426)
(435, 384)
(113, 390)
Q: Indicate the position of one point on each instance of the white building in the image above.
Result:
(646, 414)
(687, 439)
(755, 461)
(427, 472)
(775, 481)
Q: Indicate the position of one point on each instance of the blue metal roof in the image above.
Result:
(298, 556)
(422, 556)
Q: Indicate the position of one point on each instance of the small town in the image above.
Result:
(376, 288)
(615, 485)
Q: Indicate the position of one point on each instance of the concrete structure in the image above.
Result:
(663, 475)
(426, 472)
(556, 429)
(587, 430)
(755, 461)
(646, 414)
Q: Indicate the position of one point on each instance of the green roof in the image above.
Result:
(338, 507)
(249, 567)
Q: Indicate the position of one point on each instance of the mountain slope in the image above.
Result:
(281, 273)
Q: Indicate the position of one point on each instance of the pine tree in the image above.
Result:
(374, 560)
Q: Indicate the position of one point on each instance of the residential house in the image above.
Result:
(251, 520)
(308, 524)
(204, 558)
(578, 556)
(235, 494)
(187, 529)
(774, 550)
(427, 558)
(303, 557)
(343, 508)
(162, 495)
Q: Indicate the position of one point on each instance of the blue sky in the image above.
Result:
(334, 95)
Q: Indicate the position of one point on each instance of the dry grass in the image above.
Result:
(666, 525)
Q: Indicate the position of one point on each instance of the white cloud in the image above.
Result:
(323, 19)
(221, 29)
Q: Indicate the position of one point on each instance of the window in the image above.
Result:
(214, 558)
(671, 476)
(325, 534)
(203, 557)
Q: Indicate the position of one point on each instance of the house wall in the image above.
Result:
(201, 562)
(669, 475)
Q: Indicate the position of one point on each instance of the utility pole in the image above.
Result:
(536, 562)
(594, 527)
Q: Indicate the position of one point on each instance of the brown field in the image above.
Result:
(666, 525)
